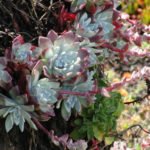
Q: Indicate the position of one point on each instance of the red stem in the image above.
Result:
(40, 126)
(109, 46)
(85, 93)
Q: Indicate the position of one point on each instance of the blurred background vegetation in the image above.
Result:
(137, 9)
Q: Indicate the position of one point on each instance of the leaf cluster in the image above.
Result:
(99, 120)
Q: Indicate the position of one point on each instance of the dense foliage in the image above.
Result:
(65, 72)
(138, 9)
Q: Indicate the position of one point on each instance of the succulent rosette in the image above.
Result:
(76, 102)
(15, 110)
(42, 91)
(24, 53)
(65, 59)
(84, 26)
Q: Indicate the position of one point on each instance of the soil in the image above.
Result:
(30, 18)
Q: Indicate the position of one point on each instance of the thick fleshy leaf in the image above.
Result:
(5, 76)
(18, 41)
(78, 145)
(14, 92)
(3, 111)
(22, 54)
(28, 119)
(45, 93)
(65, 114)
(21, 123)
(44, 42)
(52, 35)
(9, 123)
(36, 72)
(66, 142)
(105, 92)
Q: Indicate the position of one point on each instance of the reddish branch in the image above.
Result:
(40, 126)
(142, 73)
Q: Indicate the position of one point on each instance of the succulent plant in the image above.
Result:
(42, 91)
(74, 101)
(80, 4)
(24, 53)
(98, 27)
(68, 142)
(104, 20)
(65, 59)
(84, 26)
(15, 110)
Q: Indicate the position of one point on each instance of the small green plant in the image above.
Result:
(138, 9)
(99, 120)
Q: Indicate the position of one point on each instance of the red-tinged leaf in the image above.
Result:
(18, 41)
(52, 35)
(117, 25)
(33, 48)
(116, 14)
(44, 42)
(82, 6)
(105, 92)
(125, 48)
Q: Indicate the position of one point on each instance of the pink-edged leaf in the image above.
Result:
(36, 71)
(84, 54)
(52, 35)
(138, 40)
(8, 53)
(18, 41)
(54, 138)
(66, 142)
(78, 145)
(105, 92)
(116, 15)
(33, 47)
(44, 42)
(82, 6)
(69, 36)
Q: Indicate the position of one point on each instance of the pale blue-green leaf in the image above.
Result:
(14, 92)
(28, 119)
(23, 52)
(5, 76)
(29, 108)
(65, 114)
(78, 106)
(16, 116)
(10, 110)
(70, 102)
(3, 110)
(21, 123)
(9, 123)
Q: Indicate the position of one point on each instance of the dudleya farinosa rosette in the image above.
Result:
(96, 25)
(64, 58)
